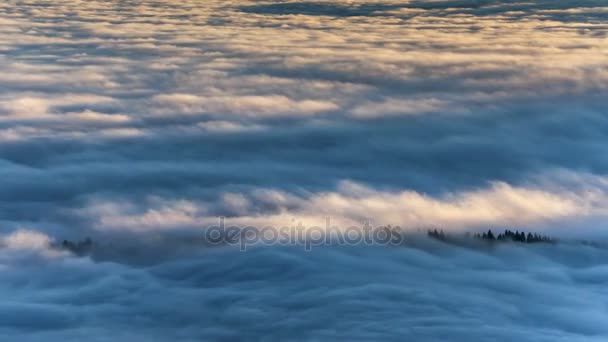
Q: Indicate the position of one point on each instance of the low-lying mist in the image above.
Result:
(425, 289)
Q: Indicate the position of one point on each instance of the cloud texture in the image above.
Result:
(107, 101)
(424, 290)
(144, 121)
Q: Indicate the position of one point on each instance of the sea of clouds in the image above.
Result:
(139, 123)
(423, 290)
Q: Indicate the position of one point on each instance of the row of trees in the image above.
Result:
(508, 235)
(516, 236)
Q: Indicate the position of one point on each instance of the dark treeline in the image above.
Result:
(507, 235)
(87, 246)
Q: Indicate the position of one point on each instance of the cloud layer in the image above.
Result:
(104, 101)
(424, 290)
(139, 123)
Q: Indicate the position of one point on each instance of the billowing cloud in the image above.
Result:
(424, 290)
(140, 123)
(499, 205)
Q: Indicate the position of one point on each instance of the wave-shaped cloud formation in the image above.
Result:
(139, 123)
